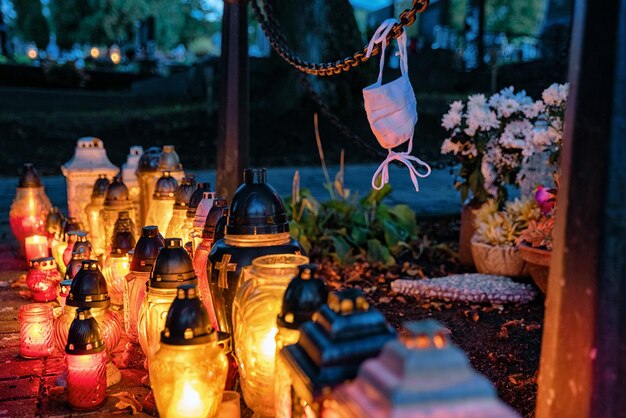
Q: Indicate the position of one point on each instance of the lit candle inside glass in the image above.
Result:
(36, 320)
(36, 246)
(86, 380)
(43, 279)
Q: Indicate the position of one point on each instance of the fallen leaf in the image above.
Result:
(384, 299)
(127, 400)
(533, 326)
(400, 299)
(512, 380)
(503, 334)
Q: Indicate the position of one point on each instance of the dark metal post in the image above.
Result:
(232, 138)
(583, 358)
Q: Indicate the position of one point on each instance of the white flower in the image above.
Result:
(507, 107)
(517, 134)
(533, 109)
(555, 94)
(451, 120)
(449, 146)
(476, 100)
(456, 106)
(490, 176)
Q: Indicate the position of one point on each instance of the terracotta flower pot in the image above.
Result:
(538, 261)
(466, 233)
(498, 259)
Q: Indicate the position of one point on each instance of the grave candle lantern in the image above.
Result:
(89, 289)
(201, 254)
(419, 374)
(194, 201)
(78, 255)
(36, 320)
(129, 177)
(43, 279)
(202, 211)
(255, 308)
(64, 290)
(86, 362)
(142, 260)
(331, 347)
(170, 161)
(92, 214)
(147, 176)
(30, 206)
(172, 268)
(77, 243)
(117, 265)
(188, 372)
(257, 225)
(305, 294)
(181, 203)
(54, 227)
(117, 200)
(59, 247)
(36, 246)
(162, 206)
(89, 161)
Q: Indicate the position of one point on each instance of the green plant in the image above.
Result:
(503, 227)
(346, 226)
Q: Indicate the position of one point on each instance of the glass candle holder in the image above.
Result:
(230, 406)
(86, 362)
(43, 279)
(257, 303)
(36, 246)
(181, 203)
(36, 324)
(162, 206)
(115, 270)
(92, 214)
(188, 372)
(64, 290)
(117, 200)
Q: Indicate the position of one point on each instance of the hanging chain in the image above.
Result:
(278, 42)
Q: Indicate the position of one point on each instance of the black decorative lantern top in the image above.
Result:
(147, 249)
(184, 192)
(123, 222)
(165, 187)
(169, 160)
(82, 242)
(256, 207)
(54, 221)
(213, 217)
(332, 346)
(196, 198)
(123, 242)
(149, 161)
(305, 294)
(72, 224)
(89, 287)
(84, 335)
(100, 186)
(173, 266)
(188, 322)
(29, 178)
(117, 193)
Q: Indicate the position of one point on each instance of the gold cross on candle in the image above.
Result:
(224, 267)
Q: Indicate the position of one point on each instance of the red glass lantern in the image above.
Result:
(36, 246)
(30, 206)
(43, 279)
(142, 260)
(36, 323)
(86, 362)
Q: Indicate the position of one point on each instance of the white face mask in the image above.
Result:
(392, 110)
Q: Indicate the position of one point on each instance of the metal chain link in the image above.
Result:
(278, 42)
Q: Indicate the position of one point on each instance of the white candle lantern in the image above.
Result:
(162, 206)
(82, 170)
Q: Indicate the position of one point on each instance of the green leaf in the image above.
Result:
(378, 252)
(342, 248)
(377, 196)
(405, 217)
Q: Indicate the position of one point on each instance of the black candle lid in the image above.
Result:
(188, 322)
(214, 215)
(305, 294)
(173, 266)
(149, 160)
(256, 207)
(29, 178)
(117, 193)
(184, 192)
(100, 186)
(89, 287)
(72, 224)
(196, 198)
(84, 335)
(169, 159)
(166, 187)
(147, 249)
(123, 242)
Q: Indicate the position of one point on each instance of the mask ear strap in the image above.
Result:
(405, 158)
(380, 37)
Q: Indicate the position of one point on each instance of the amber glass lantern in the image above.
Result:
(181, 204)
(89, 161)
(188, 372)
(36, 321)
(420, 374)
(257, 225)
(143, 257)
(92, 214)
(162, 206)
(129, 176)
(202, 211)
(86, 362)
(255, 307)
(305, 294)
(331, 347)
(117, 266)
(55, 222)
(172, 268)
(30, 206)
(43, 279)
(89, 290)
(147, 176)
(117, 200)
(194, 201)
(201, 254)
